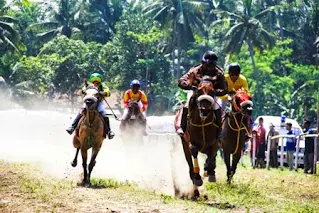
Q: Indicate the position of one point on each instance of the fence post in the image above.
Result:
(254, 150)
(268, 151)
(315, 156)
(282, 153)
(297, 152)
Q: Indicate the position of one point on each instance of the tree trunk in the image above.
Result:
(257, 95)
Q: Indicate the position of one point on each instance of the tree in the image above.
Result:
(249, 29)
(63, 20)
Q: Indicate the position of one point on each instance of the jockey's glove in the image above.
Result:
(101, 93)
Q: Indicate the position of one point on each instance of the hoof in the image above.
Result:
(212, 178)
(74, 163)
(198, 182)
(85, 183)
(196, 195)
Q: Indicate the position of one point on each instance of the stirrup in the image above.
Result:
(110, 134)
(180, 131)
(70, 130)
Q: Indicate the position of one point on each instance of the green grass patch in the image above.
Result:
(108, 183)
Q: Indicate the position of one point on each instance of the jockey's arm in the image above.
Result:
(126, 99)
(245, 85)
(220, 86)
(144, 102)
(185, 82)
(105, 90)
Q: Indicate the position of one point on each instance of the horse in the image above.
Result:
(134, 124)
(234, 130)
(200, 135)
(90, 132)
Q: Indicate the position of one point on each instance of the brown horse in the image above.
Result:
(235, 128)
(200, 135)
(90, 133)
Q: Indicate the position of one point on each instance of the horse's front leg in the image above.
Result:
(236, 158)
(189, 160)
(84, 164)
(210, 164)
(92, 163)
(75, 160)
(227, 162)
(197, 178)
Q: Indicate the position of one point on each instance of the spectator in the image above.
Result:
(273, 160)
(290, 146)
(261, 133)
(309, 148)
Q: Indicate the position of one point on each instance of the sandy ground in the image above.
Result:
(39, 137)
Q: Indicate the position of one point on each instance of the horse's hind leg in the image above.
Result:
(84, 161)
(95, 151)
(75, 160)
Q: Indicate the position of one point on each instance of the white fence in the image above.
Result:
(282, 139)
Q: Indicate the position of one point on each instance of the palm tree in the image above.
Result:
(181, 18)
(63, 20)
(100, 20)
(8, 35)
(247, 28)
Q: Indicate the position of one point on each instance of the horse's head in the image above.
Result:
(91, 97)
(133, 108)
(205, 96)
(242, 102)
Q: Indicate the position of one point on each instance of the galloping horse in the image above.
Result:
(90, 132)
(235, 127)
(200, 134)
(133, 125)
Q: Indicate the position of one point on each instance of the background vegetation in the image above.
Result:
(63, 41)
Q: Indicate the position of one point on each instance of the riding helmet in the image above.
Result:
(234, 68)
(135, 82)
(96, 77)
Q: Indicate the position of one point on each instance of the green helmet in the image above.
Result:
(96, 77)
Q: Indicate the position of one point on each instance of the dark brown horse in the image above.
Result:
(235, 128)
(90, 133)
(200, 135)
(134, 124)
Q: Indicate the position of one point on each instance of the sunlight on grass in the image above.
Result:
(107, 183)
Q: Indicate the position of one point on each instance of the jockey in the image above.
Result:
(135, 94)
(235, 81)
(193, 77)
(97, 80)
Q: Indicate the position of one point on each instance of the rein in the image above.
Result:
(238, 129)
(202, 125)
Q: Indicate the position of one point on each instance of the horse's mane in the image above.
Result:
(206, 84)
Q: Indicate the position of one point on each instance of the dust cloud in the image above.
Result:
(39, 137)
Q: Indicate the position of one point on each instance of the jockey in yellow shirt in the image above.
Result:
(135, 94)
(235, 81)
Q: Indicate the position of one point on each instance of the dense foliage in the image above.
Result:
(61, 42)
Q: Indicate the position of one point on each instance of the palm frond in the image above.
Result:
(42, 26)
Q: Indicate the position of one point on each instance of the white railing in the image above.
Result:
(296, 154)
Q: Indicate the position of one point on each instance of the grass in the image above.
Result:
(268, 190)
(253, 190)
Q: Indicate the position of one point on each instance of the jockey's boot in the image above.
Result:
(107, 129)
(218, 115)
(183, 123)
(71, 129)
